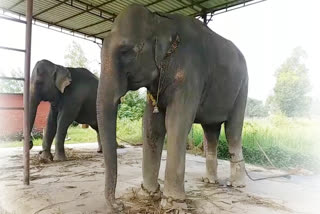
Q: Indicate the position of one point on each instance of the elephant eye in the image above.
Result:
(125, 49)
(126, 53)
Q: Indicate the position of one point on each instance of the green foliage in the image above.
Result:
(76, 135)
(255, 108)
(12, 86)
(292, 86)
(132, 106)
(75, 57)
(129, 131)
(287, 142)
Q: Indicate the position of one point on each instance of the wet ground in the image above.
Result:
(76, 186)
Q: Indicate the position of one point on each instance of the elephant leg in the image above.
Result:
(153, 137)
(212, 133)
(65, 118)
(179, 118)
(49, 133)
(233, 130)
(99, 150)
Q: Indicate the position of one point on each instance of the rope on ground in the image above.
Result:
(287, 175)
(123, 140)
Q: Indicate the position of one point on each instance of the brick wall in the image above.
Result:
(11, 121)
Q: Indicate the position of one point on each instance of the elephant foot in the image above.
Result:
(210, 180)
(114, 207)
(120, 146)
(30, 144)
(59, 157)
(238, 176)
(142, 193)
(45, 157)
(237, 183)
(99, 150)
(173, 205)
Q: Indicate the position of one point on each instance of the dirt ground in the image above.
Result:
(76, 186)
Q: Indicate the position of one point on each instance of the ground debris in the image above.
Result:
(72, 155)
(134, 205)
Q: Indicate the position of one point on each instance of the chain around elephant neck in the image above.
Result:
(162, 67)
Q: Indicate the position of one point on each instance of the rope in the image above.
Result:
(268, 177)
(161, 68)
(123, 140)
(287, 175)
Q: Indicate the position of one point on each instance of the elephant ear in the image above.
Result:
(62, 78)
(164, 33)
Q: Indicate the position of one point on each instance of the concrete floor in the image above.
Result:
(77, 185)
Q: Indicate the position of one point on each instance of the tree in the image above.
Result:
(132, 106)
(12, 86)
(255, 108)
(292, 86)
(75, 57)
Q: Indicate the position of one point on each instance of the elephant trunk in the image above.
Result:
(111, 87)
(34, 102)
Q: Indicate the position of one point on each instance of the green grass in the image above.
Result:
(287, 142)
(76, 135)
(130, 131)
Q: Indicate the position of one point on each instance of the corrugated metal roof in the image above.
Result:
(94, 18)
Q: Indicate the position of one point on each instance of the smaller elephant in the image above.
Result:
(72, 93)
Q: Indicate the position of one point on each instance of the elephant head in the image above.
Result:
(131, 56)
(48, 82)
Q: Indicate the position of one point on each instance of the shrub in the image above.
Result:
(132, 106)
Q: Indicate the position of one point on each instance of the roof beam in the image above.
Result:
(153, 3)
(177, 9)
(101, 10)
(195, 4)
(50, 8)
(84, 11)
(112, 19)
(15, 4)
(227, 5)
(188, 5)
(93, 24)
(94, 35)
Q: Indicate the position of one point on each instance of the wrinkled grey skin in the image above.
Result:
(72, 95)
(206, 82)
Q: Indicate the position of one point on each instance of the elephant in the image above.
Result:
(72, 93)
(192, 75)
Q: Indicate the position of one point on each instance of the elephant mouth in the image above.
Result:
(136, 84)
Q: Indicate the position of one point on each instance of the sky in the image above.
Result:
(266, 33)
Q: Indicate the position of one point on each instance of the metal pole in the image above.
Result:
(205, 142)
(204, 17)
(26, 117)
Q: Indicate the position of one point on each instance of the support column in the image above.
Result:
(26, 112)
(204, 17)
(205, 142)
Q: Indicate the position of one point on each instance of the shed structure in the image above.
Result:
(91, 20)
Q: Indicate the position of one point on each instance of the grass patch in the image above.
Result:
(75, 135)
(129, 131)
(287, 142)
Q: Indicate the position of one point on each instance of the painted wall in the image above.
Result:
(11, 121)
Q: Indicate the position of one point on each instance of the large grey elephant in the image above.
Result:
(192, 75)
(72, 93)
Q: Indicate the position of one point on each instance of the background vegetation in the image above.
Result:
(12, 86)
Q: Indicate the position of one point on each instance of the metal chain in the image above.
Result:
(162, 67)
